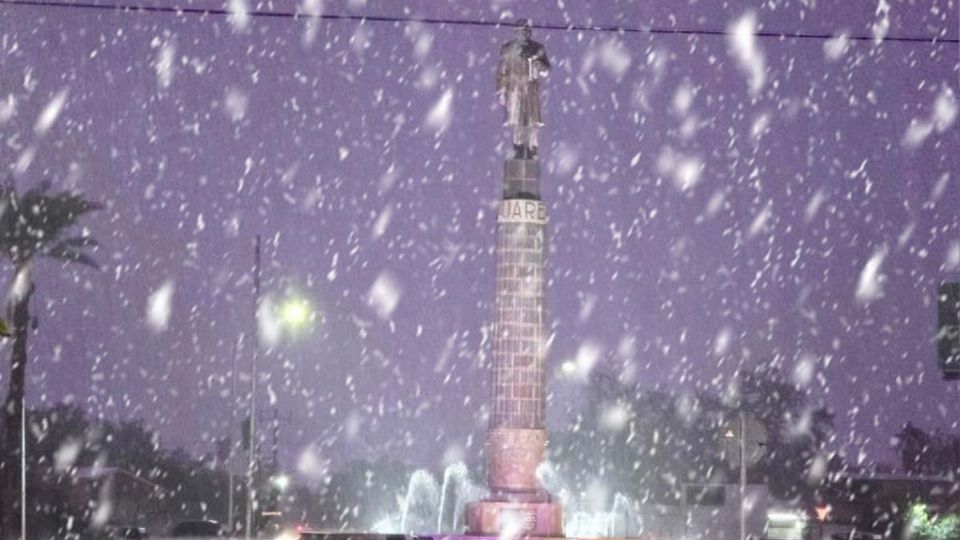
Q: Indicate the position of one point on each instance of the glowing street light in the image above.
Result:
(281, 482)
(295, 313)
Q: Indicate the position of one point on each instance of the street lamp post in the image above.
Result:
(232, 441)
(252, 457)
(294, 313)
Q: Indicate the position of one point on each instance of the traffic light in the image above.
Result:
(245, 433)
(223, 449)
(948, 329)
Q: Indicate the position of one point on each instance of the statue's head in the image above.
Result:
(524, 29)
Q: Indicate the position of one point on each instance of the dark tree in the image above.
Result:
(933, 454)
(33, 224)
(63, 442)
(642, 443)
(797, 433)
(664, 440)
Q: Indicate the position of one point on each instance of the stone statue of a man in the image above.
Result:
(523, 62)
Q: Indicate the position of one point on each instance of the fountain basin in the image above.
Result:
(327, 535)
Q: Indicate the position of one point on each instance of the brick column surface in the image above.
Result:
(516, 439)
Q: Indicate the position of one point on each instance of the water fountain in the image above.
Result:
(621, 520)
(421, 500)
(456, 491)
(430, 506)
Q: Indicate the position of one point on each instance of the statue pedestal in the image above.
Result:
(518, 505)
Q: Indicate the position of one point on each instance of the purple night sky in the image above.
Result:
(686, 209)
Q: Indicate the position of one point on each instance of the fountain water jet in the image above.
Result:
(422, 493)
(427, 503)
(455, 492)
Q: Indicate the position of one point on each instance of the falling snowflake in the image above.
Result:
(440, 115)
(835, 47)
(743, 42)
(239, 17)
(235, 104)
(384, 295)
(870, 284)
(159, 306)
(50, 113)
(164, 64)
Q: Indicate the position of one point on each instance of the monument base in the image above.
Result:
(514, 519)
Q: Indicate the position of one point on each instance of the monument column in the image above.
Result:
(516, 438)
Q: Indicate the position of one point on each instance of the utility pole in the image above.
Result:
(23, 470)
(252, 461)
(743, 475)
(23, 452)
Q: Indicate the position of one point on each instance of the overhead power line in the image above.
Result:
(128, 8)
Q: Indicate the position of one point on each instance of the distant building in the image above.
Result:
(707, 511)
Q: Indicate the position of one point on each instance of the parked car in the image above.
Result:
(128, 532)
(112, 532)
(197, 528)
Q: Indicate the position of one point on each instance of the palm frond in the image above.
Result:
(67, 254)
(80, 242)
(38, 190)
(34, 222)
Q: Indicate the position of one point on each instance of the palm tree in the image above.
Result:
(33, 224)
